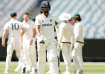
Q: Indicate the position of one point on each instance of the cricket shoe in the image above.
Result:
(5, 72)
(79, 72)
(66, 72)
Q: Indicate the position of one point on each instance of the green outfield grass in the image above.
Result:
(89, 68)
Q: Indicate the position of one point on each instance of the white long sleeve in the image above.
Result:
(60, 32)
(65, 32)
(79, 32)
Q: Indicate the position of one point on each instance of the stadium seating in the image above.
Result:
(92, 12)
(8, 6)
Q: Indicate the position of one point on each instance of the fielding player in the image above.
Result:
(66, 38)
(11, 31)
(79, 42)
(28, 53)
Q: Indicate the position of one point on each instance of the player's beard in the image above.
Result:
(46, 13)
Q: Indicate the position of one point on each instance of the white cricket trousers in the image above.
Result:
(11, 46)
(77, 57)
(66, 52)
(28, 55)
(52, 57)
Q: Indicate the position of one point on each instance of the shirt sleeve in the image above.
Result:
(38, 21)
(6, 26)
(60, 32)
(84, 31)
(78, 31)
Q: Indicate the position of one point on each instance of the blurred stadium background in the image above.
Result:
(93, 18)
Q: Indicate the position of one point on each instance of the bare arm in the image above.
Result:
(34, 32)
(38, 30)
(4, 37)
(21, 32)
(21, 36)
(33, 35)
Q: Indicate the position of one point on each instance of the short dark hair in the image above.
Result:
(45, 5)
(13, 14)
(26, 13)
(77, 17)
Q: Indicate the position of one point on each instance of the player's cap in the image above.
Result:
(64, 16)
(13, 14)
(77, 17)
